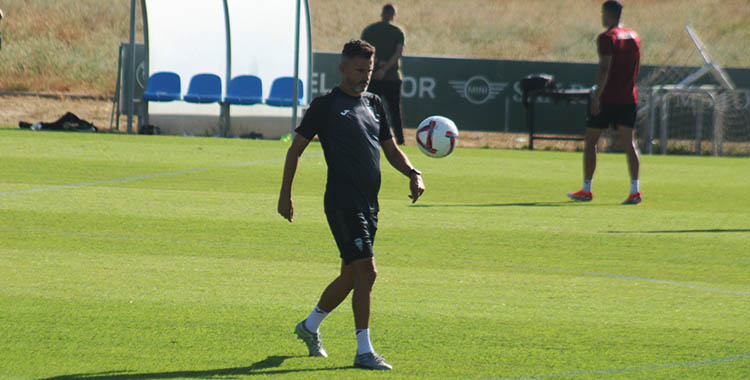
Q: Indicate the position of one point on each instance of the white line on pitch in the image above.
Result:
(622, 277)
(165, 240)
(145, 176)
(633, 369)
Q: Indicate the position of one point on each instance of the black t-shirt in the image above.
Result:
(385, 37)
(350, 130)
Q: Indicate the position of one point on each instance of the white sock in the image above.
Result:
(634, 186)
(363, 342)
(587, 185)
(312, 323)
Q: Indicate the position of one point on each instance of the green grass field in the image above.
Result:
(140, 257)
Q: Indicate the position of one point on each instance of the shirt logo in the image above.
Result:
(478, 89)
(373, 113)
(359, 243)
(345, 112)
(626, 36)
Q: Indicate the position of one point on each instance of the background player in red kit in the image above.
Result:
(615, 99)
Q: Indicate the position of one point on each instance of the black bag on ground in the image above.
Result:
(149, 130)
(68, 122)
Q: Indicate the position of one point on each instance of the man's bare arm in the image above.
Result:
(394, 58)
(285, 206)
(390, 63)
(398, 160)
(602, 76)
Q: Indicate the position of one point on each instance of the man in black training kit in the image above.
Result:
(351, 126)
(388, 40)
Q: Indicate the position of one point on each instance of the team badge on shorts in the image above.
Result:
(360, 244)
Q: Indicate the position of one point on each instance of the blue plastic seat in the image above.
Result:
(282, 92)
(245, 90)
(204, 88)
(163, 86)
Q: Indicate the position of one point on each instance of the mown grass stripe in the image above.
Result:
(612, 371)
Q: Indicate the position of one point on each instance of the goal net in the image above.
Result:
(689, 109)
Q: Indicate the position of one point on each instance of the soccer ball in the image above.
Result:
(437, 136)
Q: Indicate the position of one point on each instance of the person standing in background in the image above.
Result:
(615, 100)
(1, 32)
(388, 40)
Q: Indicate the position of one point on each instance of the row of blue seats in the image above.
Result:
(165, 86)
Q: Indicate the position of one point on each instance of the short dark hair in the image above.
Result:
(357, 48)
(389, 9)
(614, 7)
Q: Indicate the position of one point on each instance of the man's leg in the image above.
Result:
(333, 295)
(390, 94)
(365, 274)
(338, 289)
(590, 151)
(393, 96)
(589, 164)
(626, 139)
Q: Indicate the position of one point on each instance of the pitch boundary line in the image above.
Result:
(145, 176)
(726, 359)
(164, 240)
(635, 278)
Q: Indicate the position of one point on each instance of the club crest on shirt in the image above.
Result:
(626, 36)
(370, 107)
(373, 113)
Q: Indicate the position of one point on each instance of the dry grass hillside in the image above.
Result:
(71, 45)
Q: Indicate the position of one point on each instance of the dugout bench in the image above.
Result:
(538, 86)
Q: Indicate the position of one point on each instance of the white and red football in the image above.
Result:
(437, 136)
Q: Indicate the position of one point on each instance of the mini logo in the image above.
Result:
(345, 112)
(478, 89)
(360, 245)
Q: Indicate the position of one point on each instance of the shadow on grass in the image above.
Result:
(262, 367)
(710, 231)
(521, 204)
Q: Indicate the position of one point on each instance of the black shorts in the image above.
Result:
(613, 114)
(354, 232)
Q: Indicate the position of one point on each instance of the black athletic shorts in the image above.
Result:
(354, 232)
(613, 114)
